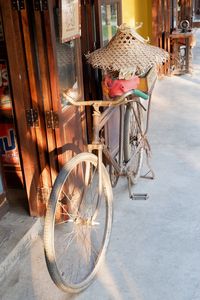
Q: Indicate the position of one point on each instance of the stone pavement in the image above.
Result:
(154, 252)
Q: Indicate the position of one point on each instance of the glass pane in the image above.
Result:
(8, 143)
(109, 21)
(68, 65)
(67, 70)
(175, 9)
(196, 10)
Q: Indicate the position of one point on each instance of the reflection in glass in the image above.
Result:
(109, 21)
(67, 62)
(175, 14)
(196, 10)
(67, 70)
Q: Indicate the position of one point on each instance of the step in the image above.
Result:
(17, 232)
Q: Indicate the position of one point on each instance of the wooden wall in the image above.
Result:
(137, 11)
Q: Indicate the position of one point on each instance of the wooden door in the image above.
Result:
(60, 68)
(25, 103)
(162, 12)
(161, 22)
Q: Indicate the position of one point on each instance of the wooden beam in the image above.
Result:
(155, 10)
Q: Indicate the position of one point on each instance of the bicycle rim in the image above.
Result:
(78, 223)
(114, 176)
(132, 138)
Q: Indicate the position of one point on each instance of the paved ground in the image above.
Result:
(154, 252)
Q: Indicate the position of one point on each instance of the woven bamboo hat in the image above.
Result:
(127, 50)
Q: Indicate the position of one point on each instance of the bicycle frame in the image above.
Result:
(99, 121)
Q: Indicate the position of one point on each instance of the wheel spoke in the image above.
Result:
(133, 129)
(79, 241)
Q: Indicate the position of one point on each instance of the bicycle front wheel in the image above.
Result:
(132, 138)
(78, 223)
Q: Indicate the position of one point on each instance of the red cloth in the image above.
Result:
(118, 87)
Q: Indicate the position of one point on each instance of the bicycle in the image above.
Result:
(79, 214)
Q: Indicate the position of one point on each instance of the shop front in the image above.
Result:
(44, 49)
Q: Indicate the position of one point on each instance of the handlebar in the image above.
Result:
(117, 100)
(139, 93)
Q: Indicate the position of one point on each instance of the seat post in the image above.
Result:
(96, 121)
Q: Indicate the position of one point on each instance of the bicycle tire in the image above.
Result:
(114, 176)
(80, 217)
(132, 138)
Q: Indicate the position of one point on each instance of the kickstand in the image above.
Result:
(150, 171)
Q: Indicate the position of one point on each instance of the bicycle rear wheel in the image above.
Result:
(132, 138)
(114, 176)
(77, 223)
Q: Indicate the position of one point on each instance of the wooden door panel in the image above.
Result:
(35, 93)
(72, 135)
(21, 102)
(45, 100)
(65, 74)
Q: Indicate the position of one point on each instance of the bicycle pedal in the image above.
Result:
(139, 197)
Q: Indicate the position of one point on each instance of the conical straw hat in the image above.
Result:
(127, 50)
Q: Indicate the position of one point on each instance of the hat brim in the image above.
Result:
(125, 52)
